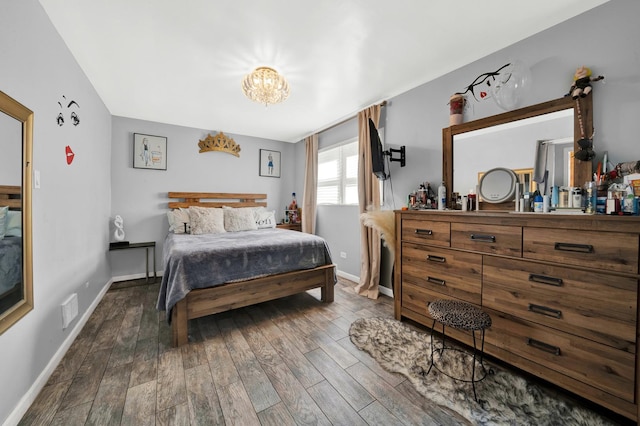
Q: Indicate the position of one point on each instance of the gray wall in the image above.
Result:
(140, 195)
(71, 210)
(605, 38)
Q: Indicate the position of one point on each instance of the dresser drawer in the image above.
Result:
(596, 306)
(600, 366)
(611, 251)
(454, 273)
(495, 239)
(426, 231)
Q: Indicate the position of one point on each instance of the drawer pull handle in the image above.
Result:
(580, 248)
(433, 258)
(543, 346)
(436, 281)
(543, 310)
(542, 279)
(424, 232)
(483, 238)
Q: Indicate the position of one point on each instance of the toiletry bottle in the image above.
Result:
(555, 196)
(538, 203)
(442, 196)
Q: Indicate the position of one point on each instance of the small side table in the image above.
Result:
(146, 245)
(292, 226)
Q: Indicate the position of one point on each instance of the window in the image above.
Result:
(338, 174)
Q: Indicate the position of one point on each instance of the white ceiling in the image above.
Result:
(182, 62)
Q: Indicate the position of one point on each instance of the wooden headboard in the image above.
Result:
(11, 195)
(204, 199)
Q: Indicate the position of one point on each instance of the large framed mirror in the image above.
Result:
(511, 140)
(16, 142)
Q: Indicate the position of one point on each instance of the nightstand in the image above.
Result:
(291, 226)
(146, 245)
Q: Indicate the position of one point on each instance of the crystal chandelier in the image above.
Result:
(264, 85)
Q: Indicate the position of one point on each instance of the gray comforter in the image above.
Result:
(199, 261)
(10, 263)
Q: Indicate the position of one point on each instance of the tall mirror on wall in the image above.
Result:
(16, 140)
(537, 143)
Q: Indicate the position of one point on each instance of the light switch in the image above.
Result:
(36, 179)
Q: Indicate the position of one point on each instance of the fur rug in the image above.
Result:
(384, 222)
(505, 399)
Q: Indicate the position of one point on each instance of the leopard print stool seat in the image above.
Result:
(459, 314)
(463, 316)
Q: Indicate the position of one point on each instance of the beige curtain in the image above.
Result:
(368, 196)
(309, 200)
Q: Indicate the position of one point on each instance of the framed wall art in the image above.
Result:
(149, 152)
(269, 163)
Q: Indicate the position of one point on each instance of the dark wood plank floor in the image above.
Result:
(286, 362)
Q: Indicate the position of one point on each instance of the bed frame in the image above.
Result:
(11, 195)
(208, 301)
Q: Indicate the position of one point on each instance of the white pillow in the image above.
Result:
(3, 220)
(177, 219)
(239, 219)
(206, 220)
(14, 224)
(265, 219)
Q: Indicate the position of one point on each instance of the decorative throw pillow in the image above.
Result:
(265, 219)
(239, 219)
(3, 221)
(177, 219)
(14, 224)
(206, 220)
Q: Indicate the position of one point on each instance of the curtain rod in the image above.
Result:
(382, 104)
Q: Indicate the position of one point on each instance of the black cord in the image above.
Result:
(384, 193)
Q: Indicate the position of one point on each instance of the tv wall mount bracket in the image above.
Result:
(400, 151)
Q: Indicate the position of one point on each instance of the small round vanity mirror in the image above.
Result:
(498, 185)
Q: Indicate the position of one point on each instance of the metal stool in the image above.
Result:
(463, 316)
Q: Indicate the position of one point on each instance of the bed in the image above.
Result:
(207, 273)
(10, 246)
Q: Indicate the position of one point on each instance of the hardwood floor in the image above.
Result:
(286, 362)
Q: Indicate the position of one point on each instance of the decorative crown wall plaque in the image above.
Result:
(219, 142)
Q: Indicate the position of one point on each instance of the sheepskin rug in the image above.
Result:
(505, 398)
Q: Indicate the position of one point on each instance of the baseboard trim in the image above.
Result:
(134, 277)
(348, 276)
(28, 398)
(382, 289)
(386, 291)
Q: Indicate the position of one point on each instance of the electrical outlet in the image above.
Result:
(86, 285)
(343, 254)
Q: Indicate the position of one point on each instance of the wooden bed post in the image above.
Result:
(179, 320)
(326, 291)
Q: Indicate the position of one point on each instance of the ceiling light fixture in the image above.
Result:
(264, 85)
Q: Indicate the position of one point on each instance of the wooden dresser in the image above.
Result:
(562, 291)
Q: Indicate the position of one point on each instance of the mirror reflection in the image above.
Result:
(514, 145)
(16, 295)
(511, 140)
(10, 213)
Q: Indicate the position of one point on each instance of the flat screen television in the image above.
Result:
(377, 153)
